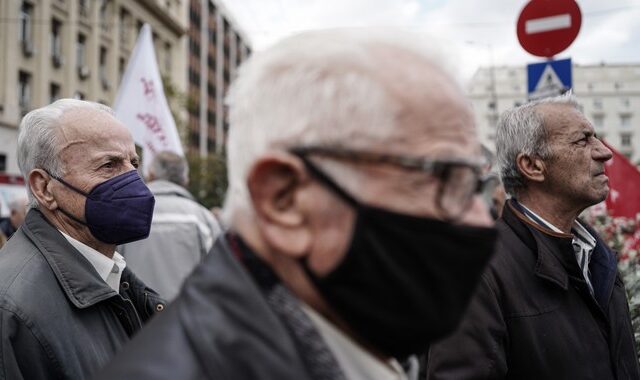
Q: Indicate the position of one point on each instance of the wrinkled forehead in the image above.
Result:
(90, 124)
(562, 119)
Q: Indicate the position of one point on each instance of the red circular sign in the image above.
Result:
(547, 27)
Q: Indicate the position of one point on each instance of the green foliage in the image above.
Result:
(207, 178)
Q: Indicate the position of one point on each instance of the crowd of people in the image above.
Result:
(361, 235)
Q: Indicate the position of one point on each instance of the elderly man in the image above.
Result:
(182, 231)
(17, 209)
(67, 300)
(551, 304)
(357, 232)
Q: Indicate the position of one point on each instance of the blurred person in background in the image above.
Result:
(18, 210)
(551, 304)
(182, 231)
(357, 232)
(68, 301)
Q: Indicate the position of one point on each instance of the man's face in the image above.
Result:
(435, 122)
(575, 170)
(94, 148)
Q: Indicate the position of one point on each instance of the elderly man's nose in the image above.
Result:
(602, 152)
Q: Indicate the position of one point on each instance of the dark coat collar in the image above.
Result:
(555, 256)
(80, 281)
(554, 250)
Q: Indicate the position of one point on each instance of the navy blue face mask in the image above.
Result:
(118, 210)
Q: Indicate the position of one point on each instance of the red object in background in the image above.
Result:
(624, 186)
(547, 27)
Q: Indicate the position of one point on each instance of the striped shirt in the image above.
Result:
(583, 242)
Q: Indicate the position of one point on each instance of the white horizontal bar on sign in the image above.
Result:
(546, 24)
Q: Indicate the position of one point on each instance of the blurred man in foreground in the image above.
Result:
(357, 232)
(182, 231)
(67, 300)
(551, 304)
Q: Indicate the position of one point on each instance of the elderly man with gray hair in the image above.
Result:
(182, 231)
(357, 232)
(67, 299)
(551, 304)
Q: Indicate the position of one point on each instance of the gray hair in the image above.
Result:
(522, 130)
(319, 87)
(171, 167)
(38, 143)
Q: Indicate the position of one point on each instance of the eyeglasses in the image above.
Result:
(459, 179)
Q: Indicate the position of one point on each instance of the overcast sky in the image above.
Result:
(610, 29)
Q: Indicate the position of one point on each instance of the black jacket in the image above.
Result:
(58, 318)
(219, 327)
(533, 316)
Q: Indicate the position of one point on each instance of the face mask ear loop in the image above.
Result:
(322, 177)
(70, 186)
(67, 184)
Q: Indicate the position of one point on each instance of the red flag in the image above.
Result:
(624, 186)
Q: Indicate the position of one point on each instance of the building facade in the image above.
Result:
(217, 46)
(609, 96)
(78, 48)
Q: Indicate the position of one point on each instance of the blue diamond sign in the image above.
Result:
(549, 78)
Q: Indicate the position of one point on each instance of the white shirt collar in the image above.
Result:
(578, 228)
(110, 270)
(355, 361)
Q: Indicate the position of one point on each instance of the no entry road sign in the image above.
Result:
(547, 27)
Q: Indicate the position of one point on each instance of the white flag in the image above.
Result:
(141, 105)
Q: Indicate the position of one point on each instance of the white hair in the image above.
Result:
(320, 88)
(171, 167)
(38, 145)
(522, 130)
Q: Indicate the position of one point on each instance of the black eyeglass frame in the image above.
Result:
(437, 167)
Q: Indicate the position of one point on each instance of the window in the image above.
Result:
(124, 19)
(625, 121)
(104, 15)
(56, 41)
(26, 29)
(103, 68)
(54, 92)
(597, 103)
(78, 95)
(80, 49)
(83, 8)
(121, 67)
(26, 20)
(625, 139)
(24, 90)
(3, 162)
(492, 120)
(625, 102)
(598, 121)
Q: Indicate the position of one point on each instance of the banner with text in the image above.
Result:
(141, 104)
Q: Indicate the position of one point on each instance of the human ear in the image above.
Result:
(275, 182)
(532, 168)
(40, 185)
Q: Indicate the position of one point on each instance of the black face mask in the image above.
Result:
(405, 280)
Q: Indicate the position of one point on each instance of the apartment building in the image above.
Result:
(78, 48)
(609, 95)
(217, 46)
